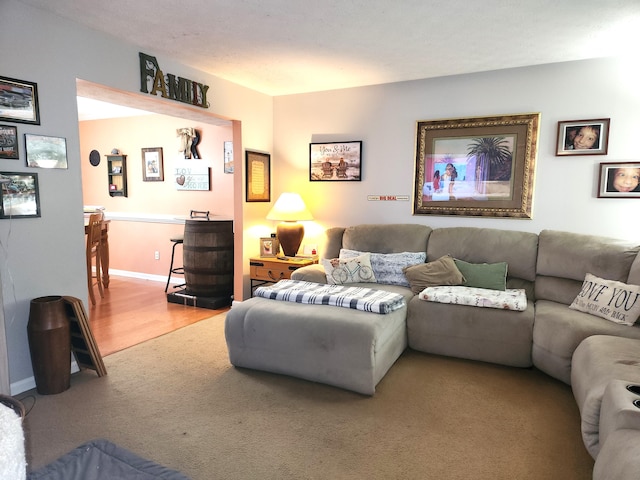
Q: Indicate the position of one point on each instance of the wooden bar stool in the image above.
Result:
(177, 240)
(94, 250)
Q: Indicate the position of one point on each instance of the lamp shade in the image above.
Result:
(289, 208)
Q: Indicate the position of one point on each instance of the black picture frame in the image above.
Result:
(44, 151)
(335, 161)
(568, 129)
(258, 168)
(9, 142)
(20, 195)
(627, 186)
(19, 101)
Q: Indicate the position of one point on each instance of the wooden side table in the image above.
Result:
(264, 270)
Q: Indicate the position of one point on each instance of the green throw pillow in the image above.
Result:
(484, 275)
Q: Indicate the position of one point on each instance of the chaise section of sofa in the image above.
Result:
(563, 261)
(484, 334)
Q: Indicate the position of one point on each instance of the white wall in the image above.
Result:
(45, 256)
(384, 117)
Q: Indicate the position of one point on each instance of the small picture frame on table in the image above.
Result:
(269, 247)
(583, 137)
(619, 180)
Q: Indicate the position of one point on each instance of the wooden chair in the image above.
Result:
(94, 244)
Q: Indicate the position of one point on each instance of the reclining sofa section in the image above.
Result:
(333, 345)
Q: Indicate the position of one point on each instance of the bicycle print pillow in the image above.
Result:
(349, 270)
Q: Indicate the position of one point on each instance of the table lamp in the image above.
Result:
(289, 209)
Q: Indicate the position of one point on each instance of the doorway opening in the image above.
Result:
(123, 307)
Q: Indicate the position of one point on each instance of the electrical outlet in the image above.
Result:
(156, 255)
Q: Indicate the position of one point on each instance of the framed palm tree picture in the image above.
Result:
(480, 166)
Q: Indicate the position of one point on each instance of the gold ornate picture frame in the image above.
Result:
(477, 166)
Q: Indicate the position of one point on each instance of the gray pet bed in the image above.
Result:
(102, 460)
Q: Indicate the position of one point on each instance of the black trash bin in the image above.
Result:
(49, 335)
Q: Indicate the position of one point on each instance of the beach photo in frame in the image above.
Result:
(258, 168)
(8, 142)
(619, 180)
(477, 166)
(19, 101)
(335, 161)
(583, 137)
(20, 196)
(152, 165)
(43, 151)
(269, 247)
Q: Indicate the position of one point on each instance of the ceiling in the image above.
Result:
(281, 47)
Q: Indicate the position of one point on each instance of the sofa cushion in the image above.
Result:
(386, 238)
(387, 267)
(487, 245)
(565, 258)
(442, 271)
(349, 270)
(608, 299)
(492, 276)
(558, 331)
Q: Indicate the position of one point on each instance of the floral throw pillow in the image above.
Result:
(387, 267)
(349, 270)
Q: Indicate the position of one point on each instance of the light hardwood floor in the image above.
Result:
(133, 311)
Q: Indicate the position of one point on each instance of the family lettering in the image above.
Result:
(169, 86)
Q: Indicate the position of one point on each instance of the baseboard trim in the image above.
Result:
(29, 383)
(143, 276)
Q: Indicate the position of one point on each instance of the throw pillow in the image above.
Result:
(349, 270)
(614, 301)
(442, 271)
(387, 267)
(483, 275)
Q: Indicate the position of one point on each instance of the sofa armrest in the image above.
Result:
(310, 273)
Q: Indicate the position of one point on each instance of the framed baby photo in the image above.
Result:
(269, 247)
(583, 137)
(619, 180)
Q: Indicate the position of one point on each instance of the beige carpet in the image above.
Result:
(177, 400)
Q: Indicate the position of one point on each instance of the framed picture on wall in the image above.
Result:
(19, 101)
(20, 195)
(258, 168)
(45, 152)
(228, 157)
(338, 162)
(480, 166)
(583, 137)
(152, 165)
(8, 142)
(619, 180)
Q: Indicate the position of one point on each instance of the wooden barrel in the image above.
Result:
(208, 258)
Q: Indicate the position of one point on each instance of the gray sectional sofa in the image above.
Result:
(353, 349)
